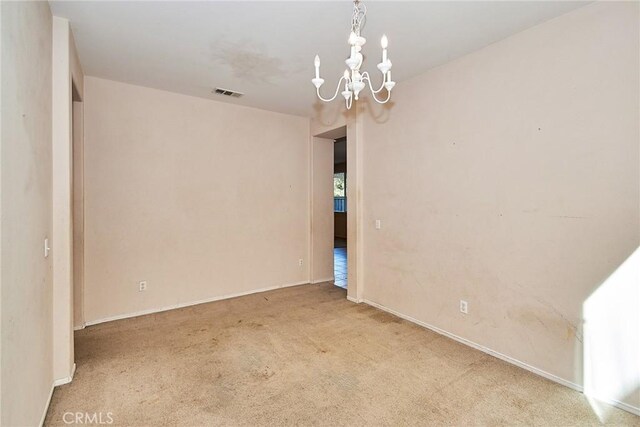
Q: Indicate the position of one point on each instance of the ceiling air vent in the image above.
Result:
(227, 92)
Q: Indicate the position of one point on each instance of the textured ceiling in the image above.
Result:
(266, 48)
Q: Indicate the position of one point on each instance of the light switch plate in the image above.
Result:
(464, 307)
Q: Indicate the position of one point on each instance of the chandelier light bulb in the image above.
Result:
(355, 79)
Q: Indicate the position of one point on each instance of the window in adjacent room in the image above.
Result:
(339, 192)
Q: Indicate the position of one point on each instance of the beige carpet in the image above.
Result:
(301, 355)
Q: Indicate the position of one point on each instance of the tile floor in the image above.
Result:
(340, 263)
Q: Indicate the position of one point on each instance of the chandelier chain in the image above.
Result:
(359, 17)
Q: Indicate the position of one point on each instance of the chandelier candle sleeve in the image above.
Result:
(358, 79)
(384, 43)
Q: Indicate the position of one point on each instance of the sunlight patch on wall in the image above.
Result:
(612, 339)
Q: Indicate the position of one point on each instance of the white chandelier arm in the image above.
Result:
(349, 102)
(335, 94)
(365, 76)
(374, 95)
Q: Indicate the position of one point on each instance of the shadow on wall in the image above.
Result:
(380, 113)
(330, 114)
(611, 364)
(335, 112)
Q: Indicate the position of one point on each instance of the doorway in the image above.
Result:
(323, 200)
(340, 265)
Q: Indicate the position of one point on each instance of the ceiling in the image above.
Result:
(266, 48)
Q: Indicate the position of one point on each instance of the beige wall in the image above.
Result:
(355, 211)
(201, 199)
(330, 120)
(509, 178)
(26, 357)
(322, 230)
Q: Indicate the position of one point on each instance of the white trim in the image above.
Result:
(188, 304)
(46, 407)
(55, 384)
(65, 380)
(328, 279)
(357, 301)
(79, 328)
(624, 406)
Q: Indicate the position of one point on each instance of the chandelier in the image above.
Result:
(354, 80)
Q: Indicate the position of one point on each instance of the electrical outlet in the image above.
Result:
(142, 286)
(464, 308)
(300, 262)
(378, 224)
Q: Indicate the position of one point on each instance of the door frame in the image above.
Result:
(352, 120)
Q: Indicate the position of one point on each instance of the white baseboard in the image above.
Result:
(79, 328)
(189, 304)
(46, 407)
(328, 279)
(55, 384)
(65, 380)
(624, 406)
(358, 301)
